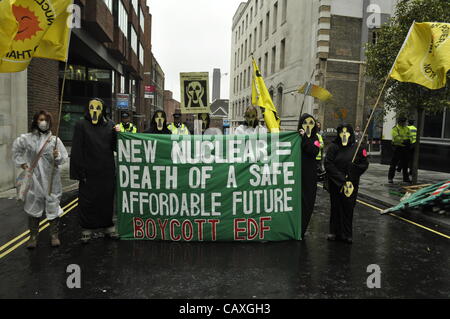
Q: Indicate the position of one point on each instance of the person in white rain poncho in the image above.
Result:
(38, 199)
(251, 124)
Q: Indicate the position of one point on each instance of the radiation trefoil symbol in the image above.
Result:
(28, 23)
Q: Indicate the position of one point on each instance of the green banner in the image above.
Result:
(209, 188)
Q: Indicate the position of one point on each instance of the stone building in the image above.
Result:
(298, 41)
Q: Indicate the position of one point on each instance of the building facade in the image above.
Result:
(170, 105)
(13, 122)
(158, 81)
(109, 57)
(294, 42)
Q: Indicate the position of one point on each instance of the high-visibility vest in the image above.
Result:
(131, 128)
(322, 145)
(182, 130)
(399, 134)
(412, 134)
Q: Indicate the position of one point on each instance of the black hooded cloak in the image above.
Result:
(92, 163)
(154, 126)
(310, 150)
(339, 168)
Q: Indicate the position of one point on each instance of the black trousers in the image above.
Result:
(342, 208)
(401, 156)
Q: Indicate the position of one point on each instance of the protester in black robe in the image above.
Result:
(310, 148)
(92, 164)
(158, 124)
(206, 121)
(343, 182)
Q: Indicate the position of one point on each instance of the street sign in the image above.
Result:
(122, 101)
(149, 91)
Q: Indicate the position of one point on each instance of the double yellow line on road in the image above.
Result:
(15, 243)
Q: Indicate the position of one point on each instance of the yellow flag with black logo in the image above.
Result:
(425, 56)
(42, 30)
(262, 98)
(8, 26)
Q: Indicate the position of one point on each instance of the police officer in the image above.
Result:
(401, 144)
(126, 125)
(178, 128)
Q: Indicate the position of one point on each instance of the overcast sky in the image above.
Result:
(192, 36)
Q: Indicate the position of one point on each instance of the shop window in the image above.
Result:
(98, 75)
(433, 125)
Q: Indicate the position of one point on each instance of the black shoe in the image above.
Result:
(347, 240)
(407, 181)
(391, 181)
(331, 237)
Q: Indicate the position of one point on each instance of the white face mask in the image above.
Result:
(43, 126)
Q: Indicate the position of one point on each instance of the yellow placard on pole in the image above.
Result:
(194, 93)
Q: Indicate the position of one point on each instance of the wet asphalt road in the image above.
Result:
(414, 264)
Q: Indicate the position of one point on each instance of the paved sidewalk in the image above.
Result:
(67, 183)
(375, 187)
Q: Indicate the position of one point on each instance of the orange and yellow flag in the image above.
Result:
(315, 91)
(41, 29)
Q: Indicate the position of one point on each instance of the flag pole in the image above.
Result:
(305, 96)
(50, 187)
(381, 92)
(371, 117)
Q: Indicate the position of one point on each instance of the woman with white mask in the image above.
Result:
(36, 151)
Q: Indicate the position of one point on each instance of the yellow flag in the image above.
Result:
(262, 98)
(315, 91)
(425, 56)
(41, 31)
(8, 26)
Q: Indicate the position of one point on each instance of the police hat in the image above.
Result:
(125, 115)
(177, 115)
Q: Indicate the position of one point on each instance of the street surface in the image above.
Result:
(414, 262)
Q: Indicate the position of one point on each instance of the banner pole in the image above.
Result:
(371, 117)
(59, 113)
(305, 96)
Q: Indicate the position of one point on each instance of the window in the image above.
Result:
(238, 55)
(245, 50)
(437, 125)
(284, 11)
(135, 5)
(142, 19)
(123, 19)
(256, 7)
(374, 37)
(260, 32)
(122, 84)
(259, 63)
(274, 57)
(246, 22)
(267, 24)
(266, 63)
(249, 77)
(250, 45)
(283, 54)
(141, 54)
(239, 33)
(235, 60)
(280, 100)
(245, 79)
(255, 37)
(251, 14)
(275, 16)
(109, 4)
(242, 53)
(134, 40)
